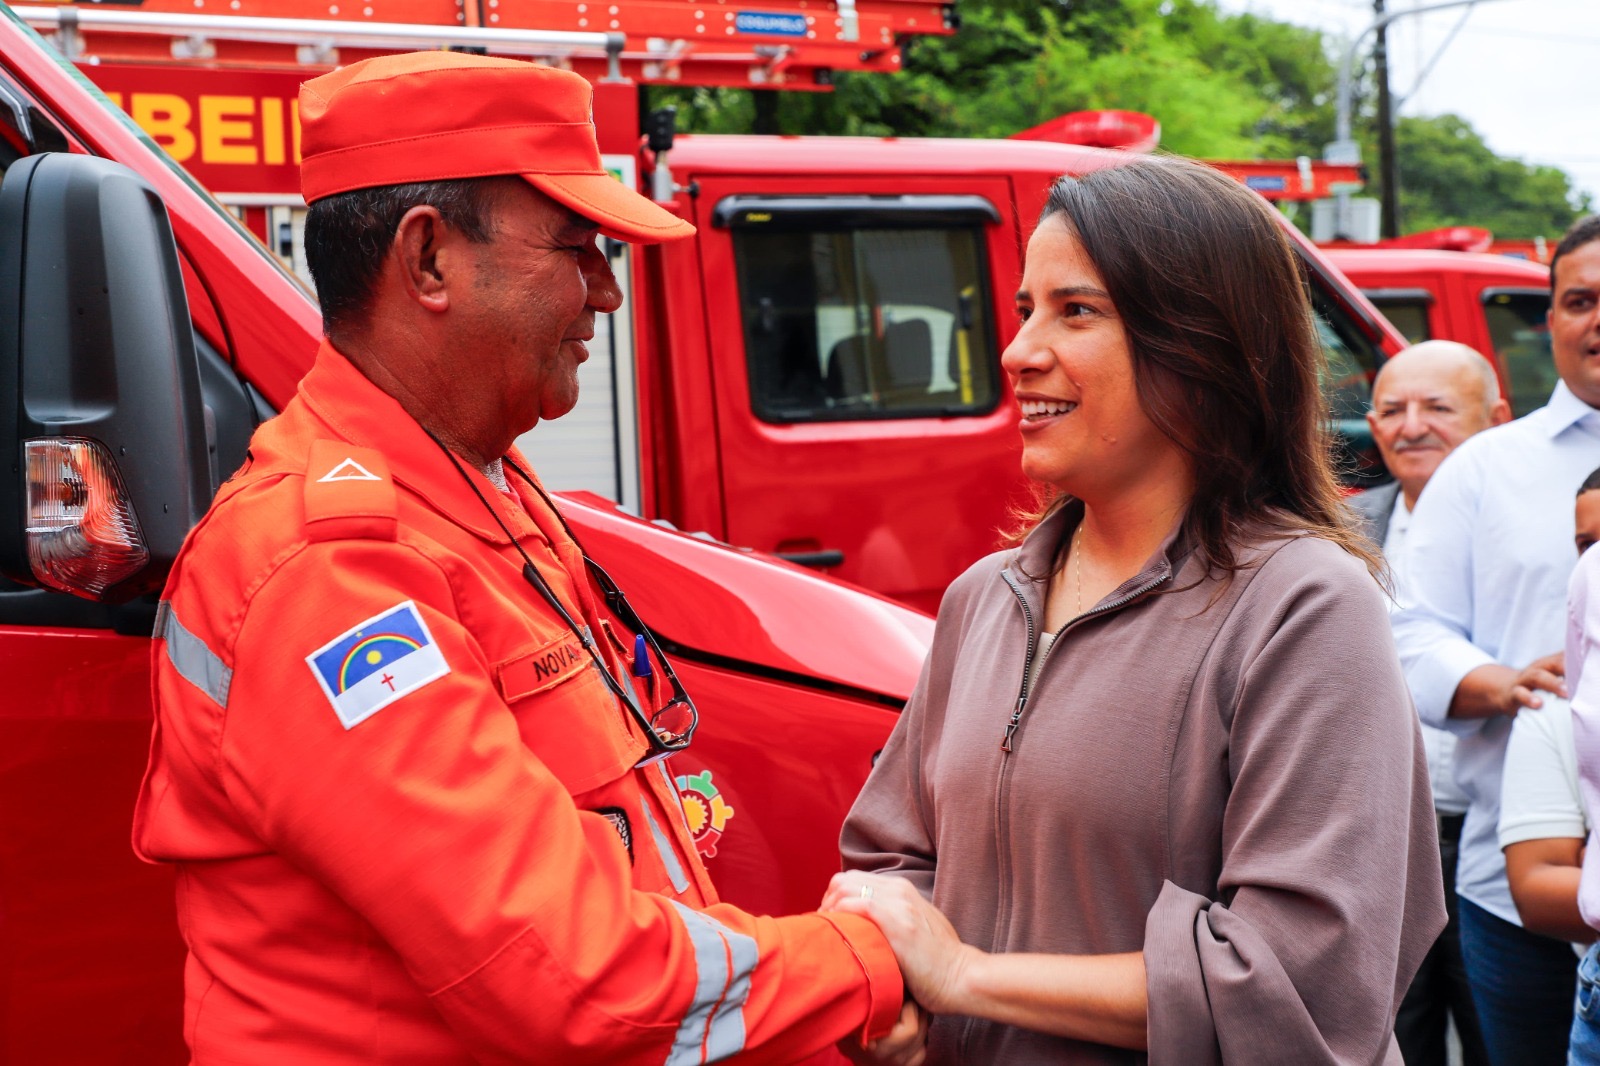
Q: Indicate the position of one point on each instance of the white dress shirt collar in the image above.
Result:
(1564, 411)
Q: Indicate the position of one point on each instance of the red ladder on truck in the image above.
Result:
(795, 44)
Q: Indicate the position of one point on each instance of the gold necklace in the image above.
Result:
(1077, 565)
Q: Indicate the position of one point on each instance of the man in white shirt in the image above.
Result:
(1488, 554)
(1425, 402)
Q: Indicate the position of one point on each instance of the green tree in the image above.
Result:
(1222, 85)
(1288, 66)
(1147, 65)
(1448, 177)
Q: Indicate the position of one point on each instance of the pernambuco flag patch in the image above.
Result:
(367, 668)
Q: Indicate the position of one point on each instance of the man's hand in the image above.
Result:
(1547, 674)
(1494, 689)
(904, 1045)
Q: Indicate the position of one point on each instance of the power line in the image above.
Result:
(1532, 35)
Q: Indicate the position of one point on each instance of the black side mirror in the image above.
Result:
(103, 457)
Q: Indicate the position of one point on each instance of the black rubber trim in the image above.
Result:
(827, 557)
(1512, 290)
(1333, 289)
(739, 666)
(853, 212)
(1379, 295)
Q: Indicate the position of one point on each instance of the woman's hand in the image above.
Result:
(932, 958)
(1099, 998)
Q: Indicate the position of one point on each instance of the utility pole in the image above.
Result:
(1388, 170)
(1343, 149)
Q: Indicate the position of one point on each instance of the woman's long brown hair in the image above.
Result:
(1224, 347)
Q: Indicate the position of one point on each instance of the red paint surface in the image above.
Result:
(91, 966)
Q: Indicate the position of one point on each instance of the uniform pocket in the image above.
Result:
(566, 714)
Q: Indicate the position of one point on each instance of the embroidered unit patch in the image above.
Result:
(349, 470)
(367, 668)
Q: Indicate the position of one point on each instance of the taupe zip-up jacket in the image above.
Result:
(1228, 779)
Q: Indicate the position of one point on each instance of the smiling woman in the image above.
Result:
(1126, 811)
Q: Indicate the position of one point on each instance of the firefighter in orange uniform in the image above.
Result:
(406, 747)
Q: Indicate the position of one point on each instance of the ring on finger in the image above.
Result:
(866, 891)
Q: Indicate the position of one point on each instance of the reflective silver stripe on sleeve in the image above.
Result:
(725, 961)
(727, 1024)
(194, 662)
(669, 858)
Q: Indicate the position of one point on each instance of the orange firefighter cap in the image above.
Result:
(438, 116)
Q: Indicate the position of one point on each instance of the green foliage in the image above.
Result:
(1287, 66)
(1224, 86)
(1448, 176)
(1145, 66)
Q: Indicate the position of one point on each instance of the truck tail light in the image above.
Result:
(82, 534)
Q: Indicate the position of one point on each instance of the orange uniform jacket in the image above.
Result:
(403, 803)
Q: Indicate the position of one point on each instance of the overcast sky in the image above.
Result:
(1525, 73)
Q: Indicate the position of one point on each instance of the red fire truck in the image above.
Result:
(1494, 303)
(825, 349)
(841, 312)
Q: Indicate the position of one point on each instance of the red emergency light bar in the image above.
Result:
(1134, 131)
(1131, 131)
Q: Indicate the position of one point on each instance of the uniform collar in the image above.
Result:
(1565, 410)
(359, 412)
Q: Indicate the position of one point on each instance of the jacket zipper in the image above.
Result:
(1002, 858)
(1027, 663)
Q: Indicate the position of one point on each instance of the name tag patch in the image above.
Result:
(543, 668)
(367, 668)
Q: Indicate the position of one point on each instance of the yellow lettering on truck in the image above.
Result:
(225, 121)
(166, 119)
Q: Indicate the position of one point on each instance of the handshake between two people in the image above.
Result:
(932, 961)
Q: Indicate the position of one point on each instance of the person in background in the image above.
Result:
(1488, 556)
(1543, 822)
(1583, 652)
(1425, 401)
(1159, 790)
(1586, 514)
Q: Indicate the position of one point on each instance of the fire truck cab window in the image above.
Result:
(858, 323)
(1409, 316)
(1521, 338)
(1350, 364)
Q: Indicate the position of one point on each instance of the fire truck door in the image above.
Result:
(863, 423)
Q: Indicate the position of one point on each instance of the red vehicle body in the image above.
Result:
(797, 377)
(883, 434)
(799, 677)
(1494, 303)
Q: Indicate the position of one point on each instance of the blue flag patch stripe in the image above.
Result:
(365, 669)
